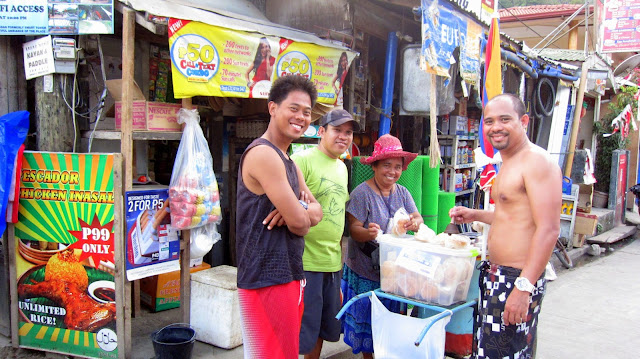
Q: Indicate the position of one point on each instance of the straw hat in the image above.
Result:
(389, 146)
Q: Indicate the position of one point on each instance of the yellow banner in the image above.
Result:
(213, 61)
(326, 67)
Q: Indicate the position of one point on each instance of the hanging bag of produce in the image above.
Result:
(193, 191)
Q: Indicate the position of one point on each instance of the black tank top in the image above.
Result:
(265, 257)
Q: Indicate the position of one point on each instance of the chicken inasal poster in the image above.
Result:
(65, 254)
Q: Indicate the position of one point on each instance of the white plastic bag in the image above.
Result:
(394, 334)
(395, 226)
(193, 191)
(550, 272)
(202, 240)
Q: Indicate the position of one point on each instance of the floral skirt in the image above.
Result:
(356, 321)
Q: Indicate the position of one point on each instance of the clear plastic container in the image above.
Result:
(426, 272)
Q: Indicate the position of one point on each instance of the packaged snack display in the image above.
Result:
(193, 191)
(424, 271)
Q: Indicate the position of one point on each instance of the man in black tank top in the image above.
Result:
(274, 211)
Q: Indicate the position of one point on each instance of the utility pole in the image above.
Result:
(54, 124)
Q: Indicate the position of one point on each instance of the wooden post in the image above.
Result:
(434, 147)
(185, 259)
(573, 35)
(122, 317)
(576, 120)
(55, 131)
(126, 144)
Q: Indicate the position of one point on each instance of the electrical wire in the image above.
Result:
(570, 29)
(72, 106)
(517, 18)
(99, 112)
(551, 42)
(557, 29)
(379, 110)
(73, 114)
(77, 100)
(63, 89)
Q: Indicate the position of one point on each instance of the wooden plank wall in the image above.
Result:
(13, 87)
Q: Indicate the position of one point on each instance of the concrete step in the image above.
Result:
(605, 219)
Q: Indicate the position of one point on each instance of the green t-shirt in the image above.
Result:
(327, 179)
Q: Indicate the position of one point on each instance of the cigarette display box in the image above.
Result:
(150, 237)
(152, 244)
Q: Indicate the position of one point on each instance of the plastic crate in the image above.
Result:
(425, 272)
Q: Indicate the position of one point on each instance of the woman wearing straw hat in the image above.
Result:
(370, 207)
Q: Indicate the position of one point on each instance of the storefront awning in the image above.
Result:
(221, 13)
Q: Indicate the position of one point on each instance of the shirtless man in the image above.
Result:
(275, 209)
(524, 228)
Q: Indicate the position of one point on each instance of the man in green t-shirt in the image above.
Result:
(327, 177)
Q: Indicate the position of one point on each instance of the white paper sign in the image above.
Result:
(38, 57)
(48, 83)
(420, 262)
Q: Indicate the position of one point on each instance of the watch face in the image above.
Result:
(523, 284)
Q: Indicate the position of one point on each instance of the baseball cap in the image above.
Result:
(337, 117)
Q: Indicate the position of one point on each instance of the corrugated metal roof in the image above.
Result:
(534, 12)
(563, 54)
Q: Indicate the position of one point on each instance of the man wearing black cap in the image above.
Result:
(326, 176)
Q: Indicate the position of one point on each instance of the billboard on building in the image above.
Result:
(444, 28)
(618, 25)
(208, 60)
(56, 17)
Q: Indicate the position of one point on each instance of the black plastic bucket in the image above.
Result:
(175, 341)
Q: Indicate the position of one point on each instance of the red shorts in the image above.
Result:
(271, 320)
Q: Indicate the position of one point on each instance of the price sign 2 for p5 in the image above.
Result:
(65, 254)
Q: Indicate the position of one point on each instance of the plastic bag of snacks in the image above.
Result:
(193, 191)
(396, 224)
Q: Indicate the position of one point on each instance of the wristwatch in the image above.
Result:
(304, 204)
(524, 285)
